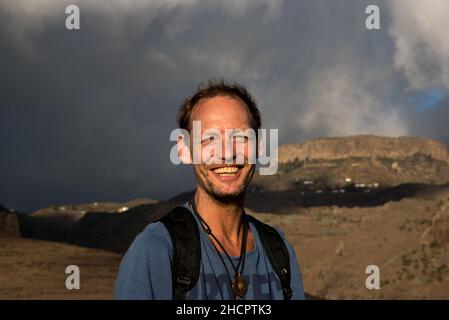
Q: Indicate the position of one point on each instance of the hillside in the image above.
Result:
(366, 162)
(56, 223)
(32, 269)
(363, 146)
(407, 239)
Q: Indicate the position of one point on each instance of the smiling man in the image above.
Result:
(210, 248)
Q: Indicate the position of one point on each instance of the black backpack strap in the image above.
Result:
(183, 230)
(277, 253)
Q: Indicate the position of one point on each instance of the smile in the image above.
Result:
(228, 172)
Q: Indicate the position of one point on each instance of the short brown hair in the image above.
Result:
(218, 88)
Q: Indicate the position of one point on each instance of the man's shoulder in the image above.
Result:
(154, 229)
(153, 237)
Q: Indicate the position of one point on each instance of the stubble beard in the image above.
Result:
(214, 191)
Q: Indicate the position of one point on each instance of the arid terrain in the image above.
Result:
(35, 269)
(408, 240)
(341, 210)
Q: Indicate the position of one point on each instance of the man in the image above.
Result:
(233, 259)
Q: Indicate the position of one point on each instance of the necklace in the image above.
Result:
(238, 284)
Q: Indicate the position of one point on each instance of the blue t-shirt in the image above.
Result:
(145, 271)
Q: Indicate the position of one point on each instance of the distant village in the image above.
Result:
(309, 186)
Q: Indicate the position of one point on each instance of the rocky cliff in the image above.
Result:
(363, 146)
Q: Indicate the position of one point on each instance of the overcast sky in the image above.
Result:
(86, 114)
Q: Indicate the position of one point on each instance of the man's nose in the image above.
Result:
(229, 153)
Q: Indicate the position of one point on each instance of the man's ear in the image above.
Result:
(183, 150)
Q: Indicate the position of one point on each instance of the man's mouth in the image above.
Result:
(227, 172)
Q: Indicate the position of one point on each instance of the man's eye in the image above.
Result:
(241, 137)
(208, 140)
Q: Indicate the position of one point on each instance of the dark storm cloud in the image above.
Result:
(86, 115)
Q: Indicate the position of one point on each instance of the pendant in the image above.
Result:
(239, 286)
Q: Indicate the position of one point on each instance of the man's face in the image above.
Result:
(223, 174)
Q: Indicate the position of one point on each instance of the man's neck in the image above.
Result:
(223, 218)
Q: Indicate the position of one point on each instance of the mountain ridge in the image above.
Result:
(366, 146)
